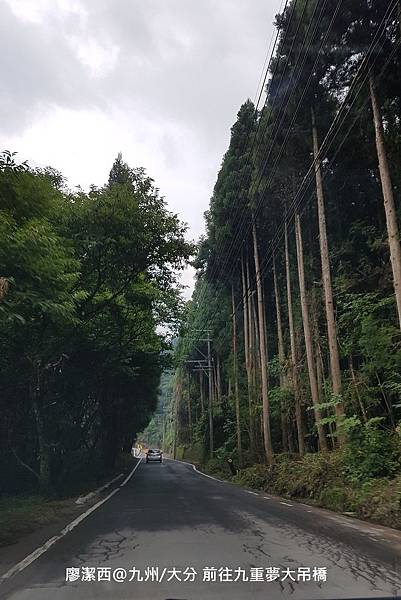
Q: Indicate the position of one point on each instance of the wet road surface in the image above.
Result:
(170, 517)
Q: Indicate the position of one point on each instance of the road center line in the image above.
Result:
(286, 504)
(253, 493)
(28, 560)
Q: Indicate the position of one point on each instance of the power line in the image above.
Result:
(274, 243)
(325, 144)
(220, 247)
(240, 232)
(243, 220)
(255, 138)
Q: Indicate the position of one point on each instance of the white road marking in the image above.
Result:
(266, 498)
(131, 474)
(42, 549)
(196, 470)
(204, 474)
(28, 560)
(219, 480)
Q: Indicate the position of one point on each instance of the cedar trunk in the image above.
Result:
(308, 336)
(253, 351)
(248, 347)
(294, 357)
(235, 374)
(256, 378)
(281, 356)
(326, 276)
(388, 196)
(263, 354)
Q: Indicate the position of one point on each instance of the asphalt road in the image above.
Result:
(170, 517)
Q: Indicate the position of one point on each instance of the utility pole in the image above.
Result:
(209, 371)
(175, 425)
(189, 409)
(164, 433)
(201, 391)
(209, 367)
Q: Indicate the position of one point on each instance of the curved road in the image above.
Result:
(190, 527)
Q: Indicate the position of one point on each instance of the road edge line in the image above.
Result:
(126, 480)
(28, 560)
(184, 462)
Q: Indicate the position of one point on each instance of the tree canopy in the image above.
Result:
(91, 281)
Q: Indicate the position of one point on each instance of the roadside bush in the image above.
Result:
(370, 452)
(360, 478)
(195, 453)
(217, 466)
(380, 501)
(180, 452)
(253, 477)
(337, 498)
(309, 477)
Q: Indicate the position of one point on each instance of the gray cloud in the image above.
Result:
(161, 80)
(38, 68)
(182, 59)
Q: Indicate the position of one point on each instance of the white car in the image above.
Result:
(154, 455)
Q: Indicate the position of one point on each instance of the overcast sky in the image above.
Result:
(159, 80)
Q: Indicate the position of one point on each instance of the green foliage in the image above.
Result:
(370, 451)
(91, 283)
(379, 500)
(255, 477)
(217, 466)
(322, 479)
(265, 173)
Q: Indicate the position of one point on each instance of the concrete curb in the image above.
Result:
(84, 499)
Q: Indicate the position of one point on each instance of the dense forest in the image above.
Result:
(88, 283)
(286, 362)
(289, 355)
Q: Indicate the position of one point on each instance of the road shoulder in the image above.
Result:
(12, 554)
(379, 534)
